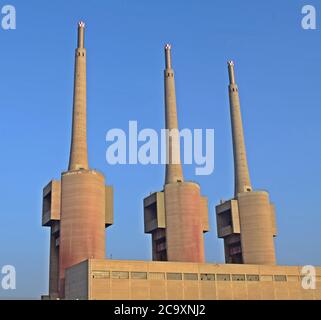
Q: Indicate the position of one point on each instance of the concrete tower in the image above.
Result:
(246, 222)
(177, 216)
(79, 207)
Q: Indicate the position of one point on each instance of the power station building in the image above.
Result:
(79, 207)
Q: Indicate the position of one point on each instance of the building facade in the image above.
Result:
(157, 280)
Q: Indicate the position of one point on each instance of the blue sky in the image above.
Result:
(278, 67)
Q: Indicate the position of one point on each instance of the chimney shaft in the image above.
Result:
(242, 177)
(81, 34)
(174, 172)
(78, 151)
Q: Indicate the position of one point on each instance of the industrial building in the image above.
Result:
(79, 207)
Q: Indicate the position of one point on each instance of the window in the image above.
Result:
(120, 275)
(207, 277)
(223, 277)
(97, 274)
(238, 277)
(139, 275)
(266, 278)
(174, 276)
(279, 277)
(190, 276)
(156, 276)
(252, 277)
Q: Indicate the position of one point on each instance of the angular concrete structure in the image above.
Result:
(246, 222)
(177, 216)
(79, 207)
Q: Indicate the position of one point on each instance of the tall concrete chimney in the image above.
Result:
(174, 172)
(241, 176)
(79, 207)
(177, 216)
(246, 222)
(78, 150)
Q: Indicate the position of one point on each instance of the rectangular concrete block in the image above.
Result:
(227, 217)
(51, 203)
(154, 212)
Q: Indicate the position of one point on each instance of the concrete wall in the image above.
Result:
(184, 222)
(77, 280)
(82, 225)
(256, 227)
(115, 279)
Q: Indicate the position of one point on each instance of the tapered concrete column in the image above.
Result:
(78, 151)
(174, 172)
(242, 176)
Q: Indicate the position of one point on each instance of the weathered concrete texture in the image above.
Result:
(256, 227)
(82, 226)
(145, 280)
(184, 232)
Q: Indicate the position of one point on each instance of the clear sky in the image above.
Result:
(278, 69)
